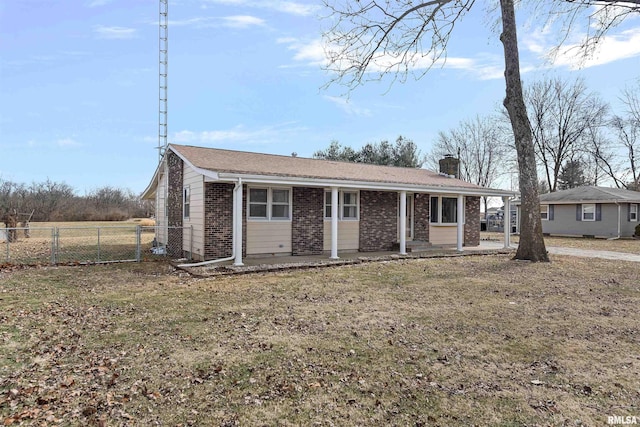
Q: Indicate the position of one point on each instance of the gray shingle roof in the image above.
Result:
(246, 163)
(591, 194)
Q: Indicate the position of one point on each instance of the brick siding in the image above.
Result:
(307, 221)
(378, 220)
(421, 219)
(218, 220)
(472, 221)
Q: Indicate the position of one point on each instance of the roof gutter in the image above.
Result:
(314, 182)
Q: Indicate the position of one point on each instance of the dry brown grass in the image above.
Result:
(457, 341)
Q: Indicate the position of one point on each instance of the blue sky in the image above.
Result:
(79, 84)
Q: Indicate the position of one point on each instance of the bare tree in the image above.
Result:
(374, 38)
(483, 150)
(627, 132)
(371, 39)
(562, 114)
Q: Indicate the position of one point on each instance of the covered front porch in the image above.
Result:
(257, 264)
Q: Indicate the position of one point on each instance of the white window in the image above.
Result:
(269, 203)
(258, 202)
(633, 212)
(347, 205)
(186, 201)
(444, 210)
(279, 203)
(589, 212)
(544, 212)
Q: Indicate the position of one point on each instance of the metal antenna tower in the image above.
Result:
(163, 60)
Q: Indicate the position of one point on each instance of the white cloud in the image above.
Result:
(237, 21)
(96, 3)
(67, 143)
(611, 48)
(238, 135)
(242, 21)
(119, 33)
(482, 67)
(289, 7)
(349, 107)
(311, 52)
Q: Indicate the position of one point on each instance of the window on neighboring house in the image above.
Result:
(186, 201)
(444, 210)
(544, 212)
(633, 212)
(589, 212)
(269, 203)
(347, 205)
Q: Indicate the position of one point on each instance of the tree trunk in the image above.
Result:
(531, 245)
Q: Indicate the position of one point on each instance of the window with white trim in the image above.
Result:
(589, 212)
(633, 212)
(258, 203)
(348, 205)
(186, 201)
(544, 212)
(444, 210)
(269, 203)
(279, 203)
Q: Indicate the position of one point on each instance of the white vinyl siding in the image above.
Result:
(268, 237)
(348, 235)
(443, 235)
(195, 183)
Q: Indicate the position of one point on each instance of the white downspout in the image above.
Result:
(460, 228)
(619, 217)
(237, 232)
(403, 222)
(234, 227)
(334, 223)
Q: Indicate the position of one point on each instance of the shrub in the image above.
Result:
(637, 230)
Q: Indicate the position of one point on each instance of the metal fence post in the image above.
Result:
(98, 244)
(138, 242)
(54, 245)
(8, 257)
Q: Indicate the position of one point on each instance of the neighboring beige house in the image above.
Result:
(249, 204)
(590, 211)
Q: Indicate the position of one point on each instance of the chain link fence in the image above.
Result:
(93, 244)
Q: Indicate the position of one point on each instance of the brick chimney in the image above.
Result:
(450, 165)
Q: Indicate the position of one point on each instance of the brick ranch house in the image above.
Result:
(241, 204)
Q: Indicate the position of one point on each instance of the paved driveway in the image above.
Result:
(585, 253)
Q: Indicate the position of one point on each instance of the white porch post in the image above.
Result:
(403, 222)
(460, 228)
(237, 212)
(507, 221)
(334, 223)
